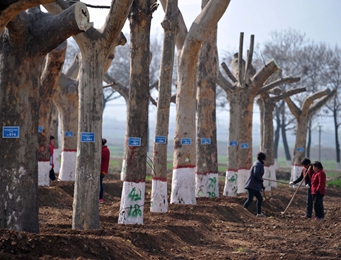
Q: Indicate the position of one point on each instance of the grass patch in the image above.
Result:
(335, 183)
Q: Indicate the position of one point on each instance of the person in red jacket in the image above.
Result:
(318, 189)
(104, 167)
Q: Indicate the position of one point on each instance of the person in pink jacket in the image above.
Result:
(318, 189)
(104, 167)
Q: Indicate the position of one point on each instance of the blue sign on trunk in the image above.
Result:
(233, 143)
(160, 139)
(87, 137)
(68, 134)
(205, 140)
(186, 141)
(244, 145)
(134, 141)
(10, 131)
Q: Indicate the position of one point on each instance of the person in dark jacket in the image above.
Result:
(52, 173)
(307, 171)
(318, 189)
(254, 184)
(104, 167)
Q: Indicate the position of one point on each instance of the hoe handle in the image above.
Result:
(293, 196)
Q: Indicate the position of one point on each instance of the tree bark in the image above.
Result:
(337, 142)
(184, 157)
(267, 105)
(24, 44)
(9, 11)
(207, 155)
(53, 68)
(159, 200)
(95, 46)
(131, 209)
(65, 99)
(309, 108)
(309, 138)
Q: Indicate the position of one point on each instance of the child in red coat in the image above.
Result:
(318, 189)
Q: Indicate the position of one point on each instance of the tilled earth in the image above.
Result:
(214, 228)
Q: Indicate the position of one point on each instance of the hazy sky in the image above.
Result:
(319, 20)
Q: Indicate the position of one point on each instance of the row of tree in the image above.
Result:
(28, 90)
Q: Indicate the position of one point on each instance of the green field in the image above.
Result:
(328, 165)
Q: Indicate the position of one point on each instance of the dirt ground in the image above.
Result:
(215, 228)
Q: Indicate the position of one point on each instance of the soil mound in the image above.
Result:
(215, 228)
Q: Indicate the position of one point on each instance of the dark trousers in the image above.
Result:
(101, 187)
(258, 195)
(309, 203)
(318, 205)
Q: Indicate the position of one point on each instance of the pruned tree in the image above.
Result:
(95, 45)
(285, 47)
(184, 158)
(133, 191)
(66, 101)
(10, 8)
(247, 84)
(267, 102)
(302, 115)
(206, 177)
(332, 76)
(24, 44)
(50, 77)
(159, 198)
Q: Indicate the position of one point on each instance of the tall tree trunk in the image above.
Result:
(276, 137)
(96, 46)
(284, 135)
(337, 142)
(267, 138)
(231, 186)
(207, 155)
(159, 199)
(309, 138)
(133, 192)
(67, 103)
(52, 70)
(184, 159)
(267, 105)
(24, 44)
(302, 115)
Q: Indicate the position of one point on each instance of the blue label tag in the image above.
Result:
(186, 141)
(87, 137)
(68, 134)
(244, 145)
(205, 140)
(10, 131)
(134, 141)
(300, 149)
(40, 129)
(233, 143)
(160, 139)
